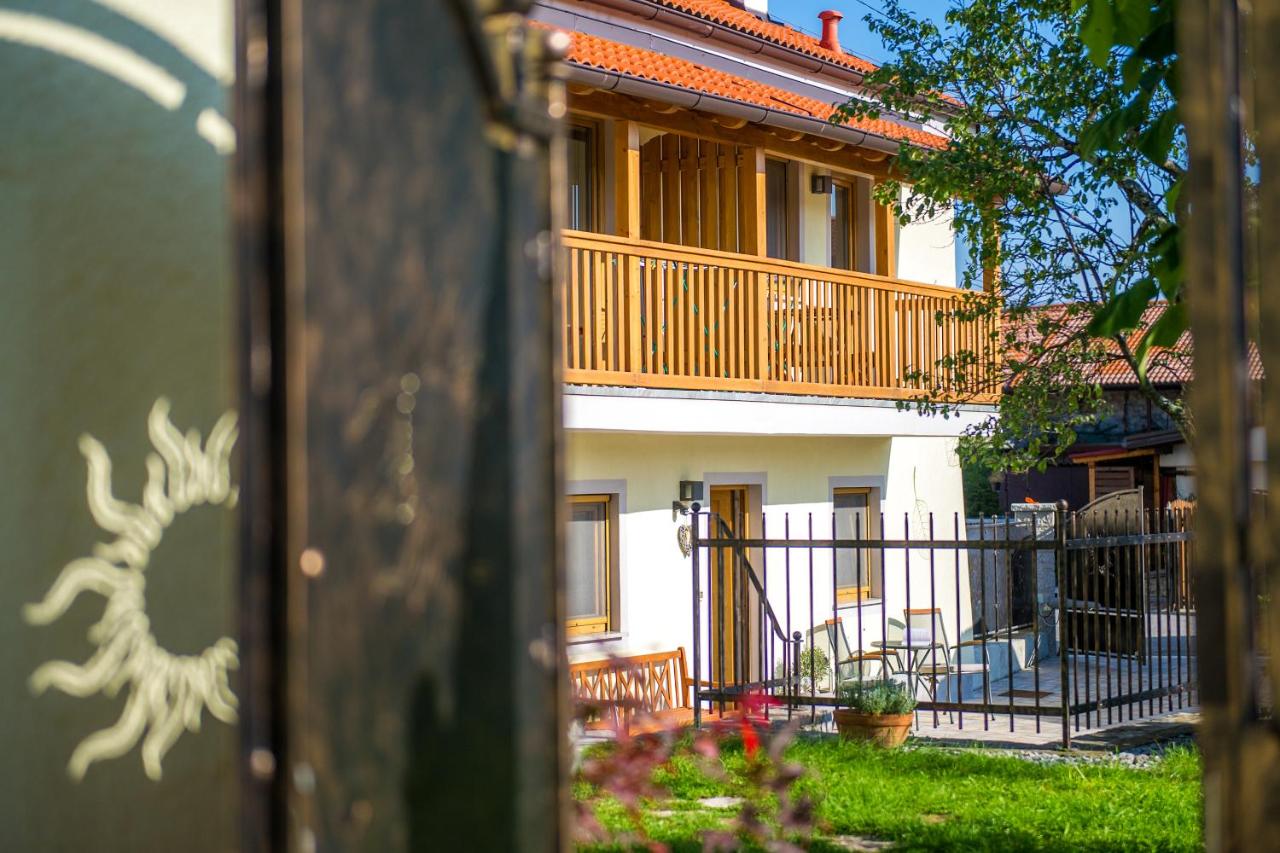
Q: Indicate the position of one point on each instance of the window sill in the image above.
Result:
(604, 636)
(866, 602)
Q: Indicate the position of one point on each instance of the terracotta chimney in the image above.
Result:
(830, 29)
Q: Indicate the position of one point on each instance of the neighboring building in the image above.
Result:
(738, 311)
(1135, 444)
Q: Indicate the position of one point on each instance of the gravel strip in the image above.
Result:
(1141, 757)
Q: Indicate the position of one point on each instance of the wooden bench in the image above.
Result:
(638, 694)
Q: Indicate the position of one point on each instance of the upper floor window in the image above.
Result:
(581, 202)
(843, 239)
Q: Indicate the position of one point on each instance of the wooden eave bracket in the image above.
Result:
(733, 131)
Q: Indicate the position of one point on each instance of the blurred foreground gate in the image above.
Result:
(1231, 91)
(280, 567)
(416, 408)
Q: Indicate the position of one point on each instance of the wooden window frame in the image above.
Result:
(596, 170)
(589, 625)
(854, 594)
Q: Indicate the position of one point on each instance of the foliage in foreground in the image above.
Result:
(933, 799)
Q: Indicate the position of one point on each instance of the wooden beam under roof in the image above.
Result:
(851, 158)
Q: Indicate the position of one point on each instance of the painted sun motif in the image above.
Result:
(166, 694)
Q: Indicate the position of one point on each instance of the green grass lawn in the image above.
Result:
(934, 799)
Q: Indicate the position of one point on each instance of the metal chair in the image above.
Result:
(849, 665)
(928, 626)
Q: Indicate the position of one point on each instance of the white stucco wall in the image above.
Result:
(1182, 460)
(662, 411)
(791, 479)
(815, 222)
(927, 250)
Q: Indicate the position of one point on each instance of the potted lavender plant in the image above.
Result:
(875, 711)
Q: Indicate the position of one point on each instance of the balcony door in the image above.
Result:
(582, 185)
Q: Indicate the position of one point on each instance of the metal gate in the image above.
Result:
(1108, 581)
(1110, 638)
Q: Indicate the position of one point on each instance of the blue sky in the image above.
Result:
(854, 35)
(857, 38)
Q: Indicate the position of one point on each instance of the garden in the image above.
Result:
(818, 792)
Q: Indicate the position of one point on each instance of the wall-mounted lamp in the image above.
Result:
(690, 491)
(820, 184)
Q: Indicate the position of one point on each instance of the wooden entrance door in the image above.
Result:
(728, 588)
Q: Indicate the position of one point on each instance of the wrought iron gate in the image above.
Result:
(1110, 637)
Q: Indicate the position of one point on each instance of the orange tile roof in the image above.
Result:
(1166, 366)
(724, 13)
(594, 52)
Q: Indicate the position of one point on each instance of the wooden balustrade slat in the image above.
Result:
(653, 318)
(710, 318)
(686, 317)
(597, 312)
(698, 323)
(841, 323)
(720, 317)
(631, 296)
(678, 302)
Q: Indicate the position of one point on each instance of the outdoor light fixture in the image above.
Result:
(820, 184)
(690, 491)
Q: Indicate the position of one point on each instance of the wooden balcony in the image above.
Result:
(639, 313)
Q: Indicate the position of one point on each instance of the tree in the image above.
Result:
(1062, 176)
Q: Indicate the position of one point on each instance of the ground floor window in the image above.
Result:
(589, 557)
(855, 567)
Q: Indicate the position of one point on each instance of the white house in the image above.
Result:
(740, 313)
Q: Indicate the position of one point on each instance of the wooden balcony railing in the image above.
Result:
(662, 316)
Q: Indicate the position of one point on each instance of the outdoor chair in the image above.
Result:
(849, 665)
(936, 658)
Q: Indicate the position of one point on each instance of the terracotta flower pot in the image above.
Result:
(886, 730)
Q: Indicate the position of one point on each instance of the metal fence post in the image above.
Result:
(697, 600)
(1060, 561)
(795, 672)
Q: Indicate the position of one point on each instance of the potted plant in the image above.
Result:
(876, 711)
(815, 669)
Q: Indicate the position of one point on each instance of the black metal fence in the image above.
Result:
(1096, 615)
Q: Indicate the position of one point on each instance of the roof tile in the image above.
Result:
(1167, 365)
(726, 14)
(595, 52)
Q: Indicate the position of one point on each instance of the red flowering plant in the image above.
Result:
(771, 814)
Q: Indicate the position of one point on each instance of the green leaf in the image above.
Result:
(1123, 311)
(1098, 31)
(1168, 329)
(1160, 43)
(1166, 261)
(1132, 21)
(1131, 72)
(1164, 332)
(1107, 132)
(1156, 140)
(1171, 197)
